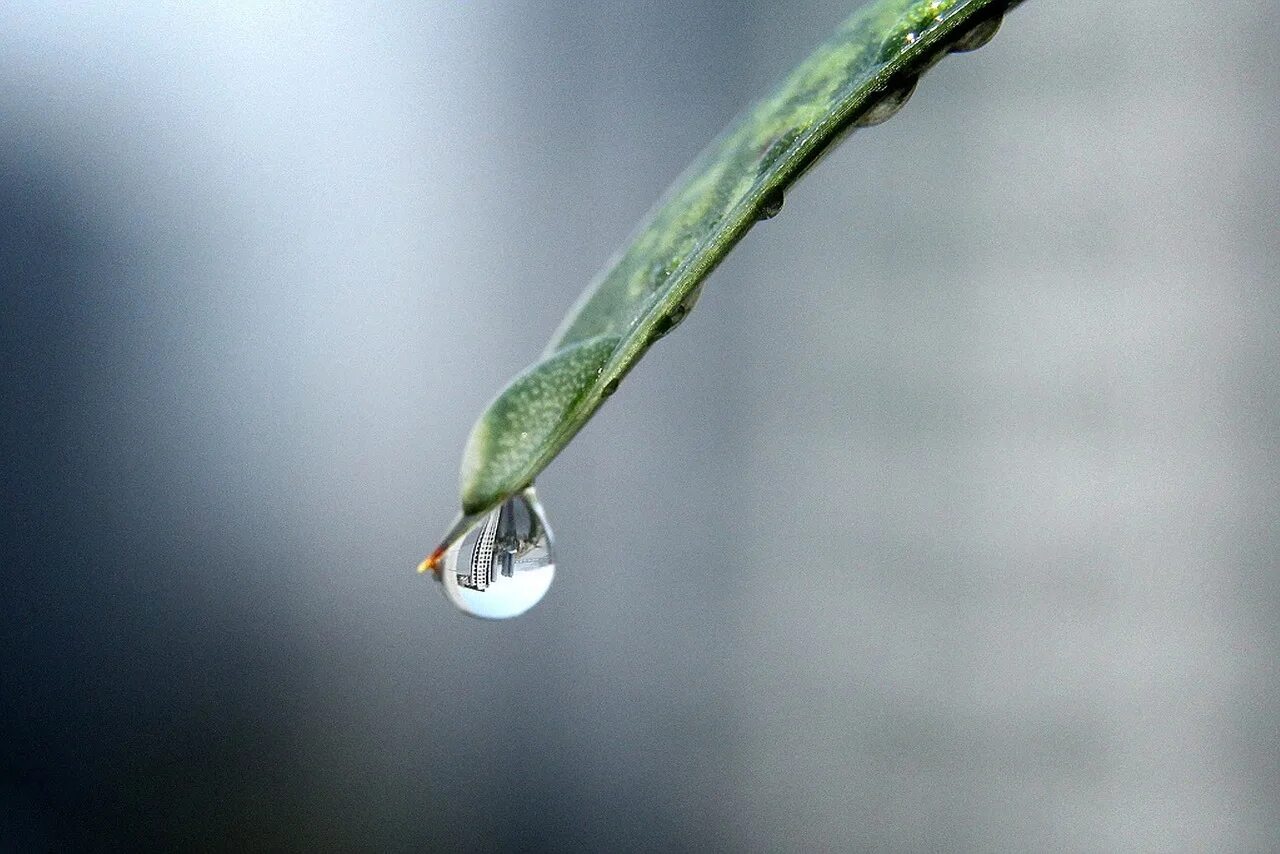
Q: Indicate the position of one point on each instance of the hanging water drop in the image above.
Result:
(889, 103)
(666, 324)
(977, 35)
(503, 565)
(772, 205)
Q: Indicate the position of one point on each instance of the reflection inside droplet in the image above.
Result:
(504, 564)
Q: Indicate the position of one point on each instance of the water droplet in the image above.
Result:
(772, 205)
(674, 318)
(977, 35)
(504, 564)
(898, 93)
(666, 323)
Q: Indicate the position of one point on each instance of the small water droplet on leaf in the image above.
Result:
(504, 564)
(888, 104)
(665, 324)
(772, 205)
(977, 35)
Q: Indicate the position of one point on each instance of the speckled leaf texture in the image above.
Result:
(527, 415)
(857, 78)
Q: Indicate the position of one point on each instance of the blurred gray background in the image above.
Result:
(947, 521)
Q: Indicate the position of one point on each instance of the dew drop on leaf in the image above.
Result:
(977, 35)
(772, 205)
(504, 564)
(888, 104)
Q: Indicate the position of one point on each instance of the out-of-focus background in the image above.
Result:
(947, 521)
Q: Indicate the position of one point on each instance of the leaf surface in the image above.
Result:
(857, 78)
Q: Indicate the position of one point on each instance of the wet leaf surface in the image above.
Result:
(858, 78)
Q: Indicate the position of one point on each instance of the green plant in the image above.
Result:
(859, 77)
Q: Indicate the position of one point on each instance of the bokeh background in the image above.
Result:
(949, 520)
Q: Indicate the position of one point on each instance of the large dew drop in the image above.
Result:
(504, 564)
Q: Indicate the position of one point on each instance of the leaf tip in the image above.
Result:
(431, 562)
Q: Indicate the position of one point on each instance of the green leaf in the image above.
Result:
(525, 418)
(857, 78)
